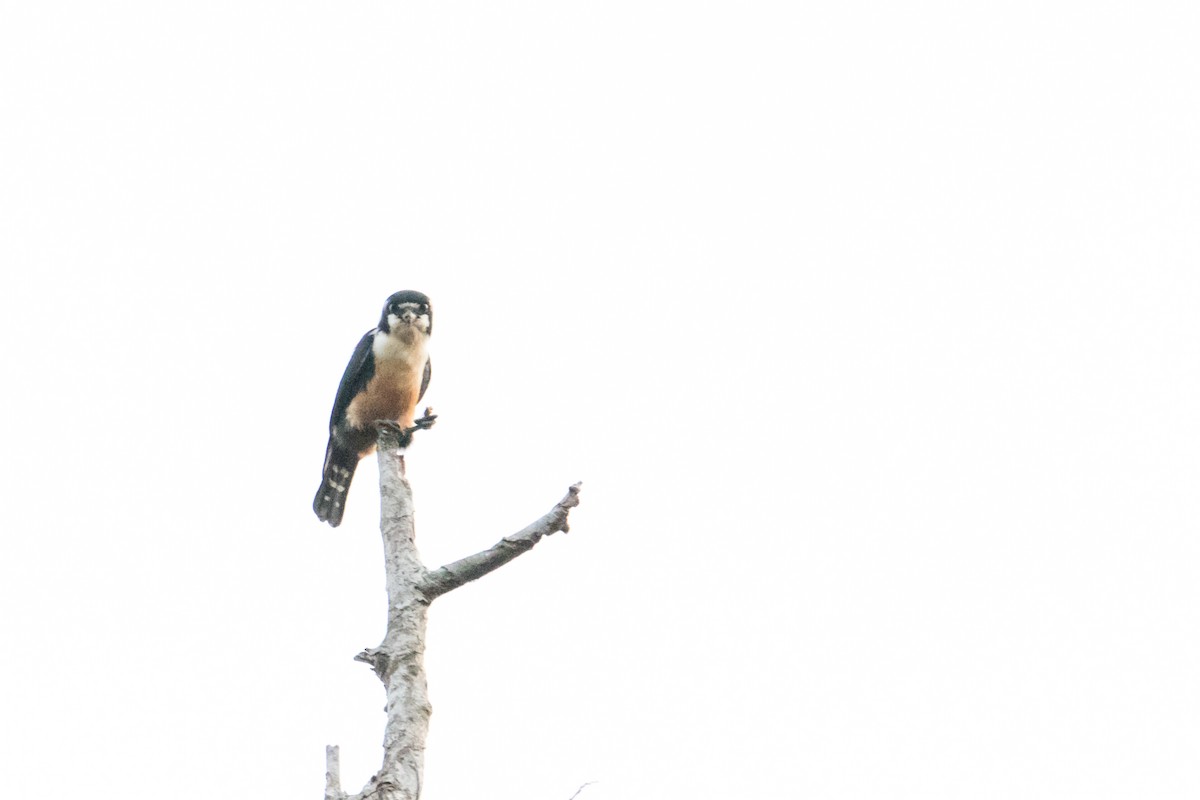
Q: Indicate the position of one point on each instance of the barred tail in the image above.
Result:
(330, 502)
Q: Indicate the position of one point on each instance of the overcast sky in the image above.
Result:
(871, 329)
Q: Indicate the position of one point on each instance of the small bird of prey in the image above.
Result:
(385, 379)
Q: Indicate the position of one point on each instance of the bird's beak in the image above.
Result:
(408, 317)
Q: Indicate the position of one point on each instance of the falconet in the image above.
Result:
(385, 379)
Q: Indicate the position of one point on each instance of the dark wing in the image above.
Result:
(425, 378)
(358, 373)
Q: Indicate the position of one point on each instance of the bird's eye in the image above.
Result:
(424, 309)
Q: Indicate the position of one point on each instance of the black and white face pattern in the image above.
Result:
(407, 310)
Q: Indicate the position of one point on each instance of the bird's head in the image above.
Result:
(407, 312)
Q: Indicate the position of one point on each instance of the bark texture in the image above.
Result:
(399, 659)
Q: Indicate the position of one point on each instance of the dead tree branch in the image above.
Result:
(451, 576)
(580, 789)
(399, 659)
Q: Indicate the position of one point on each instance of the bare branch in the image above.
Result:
(580, 789)
(333, 774)
(398, 660)
(465, 570)
(376, 659)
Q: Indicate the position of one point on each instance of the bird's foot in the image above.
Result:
(392, 434)
(404, 435)
(425, 422)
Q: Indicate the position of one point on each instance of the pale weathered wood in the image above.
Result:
(454, 575)
(333, 774)
(399, 659)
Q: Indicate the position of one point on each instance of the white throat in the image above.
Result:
(404, 344)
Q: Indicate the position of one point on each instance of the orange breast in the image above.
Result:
(391, 394)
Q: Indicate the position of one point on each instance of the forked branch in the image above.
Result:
(410, 589)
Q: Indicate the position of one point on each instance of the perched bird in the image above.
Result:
(385, 379)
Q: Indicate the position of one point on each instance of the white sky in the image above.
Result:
(871, 329)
